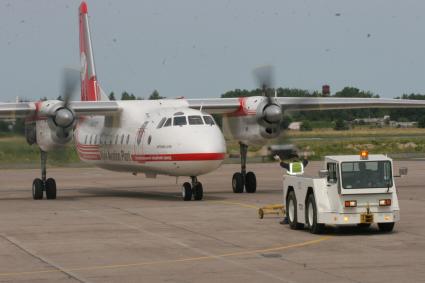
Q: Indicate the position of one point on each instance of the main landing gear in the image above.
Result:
(195, 189)
(244, 179)
(43, 185)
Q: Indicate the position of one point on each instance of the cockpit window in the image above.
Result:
(179, 121)
(161, 123)
(168, 123)
(209, 120)
(195, 120)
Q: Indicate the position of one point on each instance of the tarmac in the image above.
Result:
(115, 227)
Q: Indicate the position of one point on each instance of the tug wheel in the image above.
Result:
(311, 216)
(291, 211)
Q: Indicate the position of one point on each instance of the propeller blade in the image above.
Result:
(70, 81)
(264, 76)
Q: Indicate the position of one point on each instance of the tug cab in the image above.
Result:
(350, 190)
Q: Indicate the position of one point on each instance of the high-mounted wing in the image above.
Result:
(80, 108)
(328, 103)
(230, 105)
(23, 109)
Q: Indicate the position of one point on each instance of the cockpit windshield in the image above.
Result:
(185, 120)
(195, 120)
(366, 174)
(209, 120)
(179, 121)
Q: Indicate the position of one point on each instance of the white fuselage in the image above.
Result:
(133, 142)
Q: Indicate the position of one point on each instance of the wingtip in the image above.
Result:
(83, 7)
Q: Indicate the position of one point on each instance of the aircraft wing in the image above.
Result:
(229, 105)
(28, 109)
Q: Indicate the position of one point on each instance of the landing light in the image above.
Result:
(364, 154)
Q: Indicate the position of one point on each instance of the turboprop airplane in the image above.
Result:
(176, 137)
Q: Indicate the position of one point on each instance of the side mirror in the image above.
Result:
(323, 173)
(402, 171)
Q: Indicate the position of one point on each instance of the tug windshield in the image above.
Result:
(366, 174)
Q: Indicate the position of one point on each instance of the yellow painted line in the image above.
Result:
(236, 203)
(190, 259)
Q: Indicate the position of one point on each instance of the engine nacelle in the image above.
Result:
(54, 125)
(257, 120)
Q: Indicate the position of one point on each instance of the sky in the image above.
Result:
(201, 49)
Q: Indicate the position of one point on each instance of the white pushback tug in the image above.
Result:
(351, 189)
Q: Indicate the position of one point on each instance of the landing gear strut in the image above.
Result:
(43, 185)
(195, 189)
(244, 179)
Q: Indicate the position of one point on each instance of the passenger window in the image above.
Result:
(128, 138)
(161, 123)
(332, 169)
(91, 137)
(122, 139)
(85, 141)
(209, 120)
(95, 139)
(179, 121)
(168, 123)
(195, 120)
(116, 139)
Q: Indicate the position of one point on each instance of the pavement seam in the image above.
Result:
(33, 254)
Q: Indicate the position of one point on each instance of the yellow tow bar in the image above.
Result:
(277, 209)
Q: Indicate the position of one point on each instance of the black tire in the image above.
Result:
(250, 182)
(198, 191)
(50, 188)
(187, 191)
(237, 183)
(291, 212)
(311, 216)
(364, 225)
(37, 189)
(386, 227)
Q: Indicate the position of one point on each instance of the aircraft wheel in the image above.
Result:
(198, 191)
(37, 189)
(291, 211)
(250, 182)
(237, 183)
(386, 227)
(187, 191)
(311, 215)
(50, 188)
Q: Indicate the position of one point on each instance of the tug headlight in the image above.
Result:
(350, 203)
(384, 202)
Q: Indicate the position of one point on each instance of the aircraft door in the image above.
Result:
(141, 137)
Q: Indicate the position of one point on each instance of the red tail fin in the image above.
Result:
(90, 90)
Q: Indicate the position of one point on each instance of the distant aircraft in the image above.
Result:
(176, 137)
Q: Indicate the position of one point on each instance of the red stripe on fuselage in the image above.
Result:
(141, 158)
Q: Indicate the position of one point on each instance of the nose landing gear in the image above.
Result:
(244, 179)
(43, 185)
(195, 189)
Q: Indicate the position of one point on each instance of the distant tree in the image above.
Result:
(19, 127)
(111, 96)
(155, 95)
(60, 98)
(421, 122)
(306, 126)
(126, 96)
(340, 125)
(43, 98)
(4, 126)
(284, 123)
